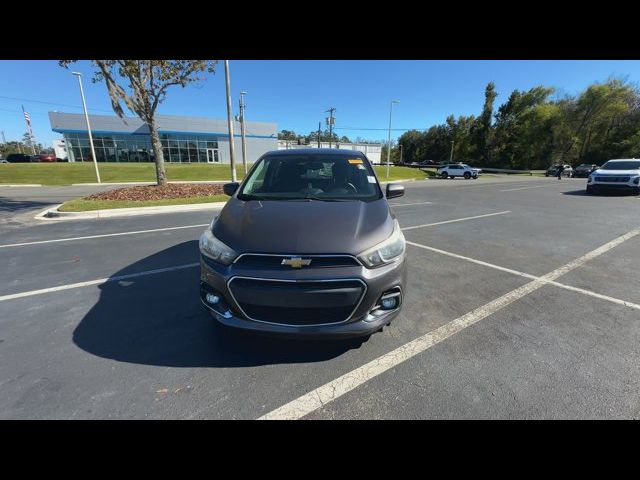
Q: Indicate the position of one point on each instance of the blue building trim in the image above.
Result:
(168, 132)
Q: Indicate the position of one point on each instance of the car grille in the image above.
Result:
(300, 303)
(274, 262)
(611, 179)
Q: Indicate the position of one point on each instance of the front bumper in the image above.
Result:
(613, 187)
(216, 278)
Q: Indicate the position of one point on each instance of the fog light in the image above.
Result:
(390, 303)
(212, 299)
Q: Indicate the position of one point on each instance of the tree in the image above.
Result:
(147, 82)
(288, 135)
(483, 123)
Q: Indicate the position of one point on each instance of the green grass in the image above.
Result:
(82, 205)
(401, 173)
(68, 173)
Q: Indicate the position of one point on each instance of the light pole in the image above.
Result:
(232, 150)
(451, 156)
(86, 117)
(400, 145)
(389, 139)
(244, 141)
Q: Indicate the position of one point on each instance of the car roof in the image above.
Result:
(624, 160)
(315, 151)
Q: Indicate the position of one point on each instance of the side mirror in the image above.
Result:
(230, 188)
(394, 190)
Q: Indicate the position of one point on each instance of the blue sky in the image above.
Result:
(295, 94)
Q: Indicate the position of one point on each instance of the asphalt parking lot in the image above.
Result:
(522, 302)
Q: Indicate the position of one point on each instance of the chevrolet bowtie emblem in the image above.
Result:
(296, 262)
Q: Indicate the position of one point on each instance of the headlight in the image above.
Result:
(215, 249)
(385, 252)
(590, 179)
(636, 180)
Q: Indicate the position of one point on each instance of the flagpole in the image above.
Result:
(28, 122)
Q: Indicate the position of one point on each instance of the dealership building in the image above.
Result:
(184, 139)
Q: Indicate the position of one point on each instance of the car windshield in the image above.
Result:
(630, 165)
(327, 177)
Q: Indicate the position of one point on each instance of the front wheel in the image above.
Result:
(444, 175)
(475, 177)
(467, 175)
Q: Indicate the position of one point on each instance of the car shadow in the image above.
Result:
(583, 193)
(158, 320)
(16, 206)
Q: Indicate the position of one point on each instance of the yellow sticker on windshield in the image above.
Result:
(355, 161)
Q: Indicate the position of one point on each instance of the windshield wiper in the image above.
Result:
(324, 199)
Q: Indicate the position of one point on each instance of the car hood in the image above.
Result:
(616, 173)
(303, 227)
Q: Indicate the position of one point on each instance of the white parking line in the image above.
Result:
(201, 225)
(334, 389)
(98, 281)
(455, 220)
(103, 236)
(407, 204)
(533, 277)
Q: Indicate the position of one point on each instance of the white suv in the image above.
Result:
(619, 175)
(457, 170)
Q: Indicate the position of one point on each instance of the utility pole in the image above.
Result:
(27, 119)
(330, 121)
(86, 117)
(232, 150)
(400, 145)
(319, 128)
(244, 141)
(451, 156)
(389, 139)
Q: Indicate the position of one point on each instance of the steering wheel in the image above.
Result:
(352, 187)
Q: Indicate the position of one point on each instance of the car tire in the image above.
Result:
(444, 175)
(475, 177)
(467, 175)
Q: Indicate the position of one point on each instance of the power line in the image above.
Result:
(51, 103)
(385, 129)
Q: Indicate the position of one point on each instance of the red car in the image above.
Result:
(45, 157)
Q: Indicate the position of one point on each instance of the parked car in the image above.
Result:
(584, 170)
(46, 157)
(552, 171)
(453, 170)
(616, 175)
(305, 246)
(20, 158)
(429, 163)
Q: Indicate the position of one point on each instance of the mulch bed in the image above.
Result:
(154, 192)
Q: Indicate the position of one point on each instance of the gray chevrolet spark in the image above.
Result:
(306, 246)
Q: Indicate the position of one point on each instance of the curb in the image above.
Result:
(20, 185)
(52, 214)
(144, 183)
